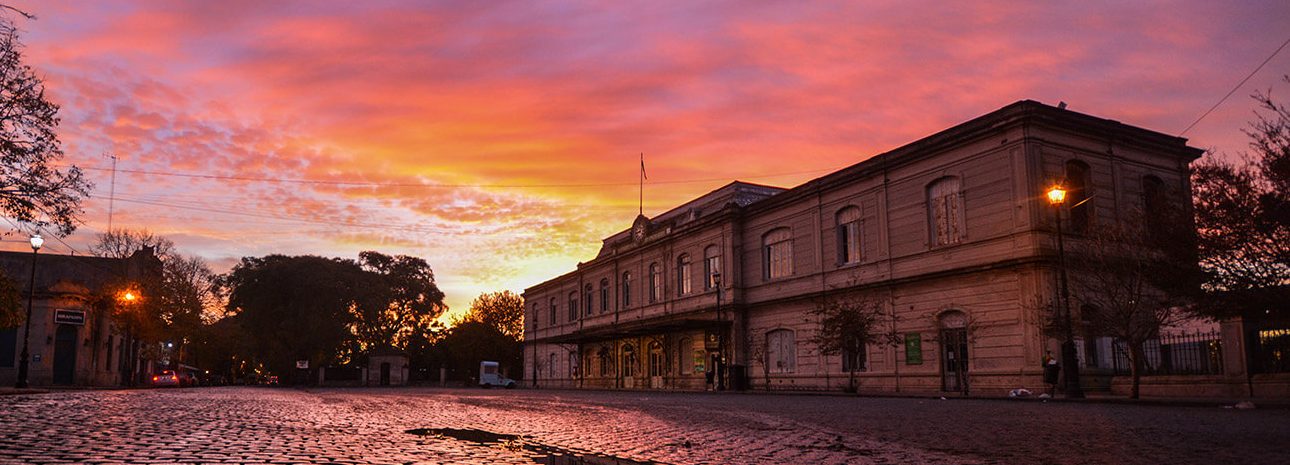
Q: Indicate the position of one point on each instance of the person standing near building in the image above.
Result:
(1051, 370)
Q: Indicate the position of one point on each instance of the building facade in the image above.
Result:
(74, 339)
(950, 233)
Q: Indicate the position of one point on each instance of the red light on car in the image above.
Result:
(154, 378)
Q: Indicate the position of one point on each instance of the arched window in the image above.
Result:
(587, 299)
(573, 306)
(655, 282)
(1153, 206)
(573, 364)
(1077, 196)
(629, 360)
(550, 365)
(711, 266)
(848, 235)
(551, 310)
(777, 253)
(945, 211)
(535, 315)
(685, 363)
(683, 274)
(781, 351)
(604, 295)
(627, 289)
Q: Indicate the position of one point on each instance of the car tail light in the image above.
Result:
(154, 378)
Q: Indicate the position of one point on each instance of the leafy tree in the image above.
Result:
(176, 301)
(849, 323)
(32, 190)
(295, 308)
(503, 310)
(1242, 211)
(402, 306)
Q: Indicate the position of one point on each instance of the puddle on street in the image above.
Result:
(538, 453)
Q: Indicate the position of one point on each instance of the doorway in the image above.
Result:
(385, 374)
(65, 354)
(954, 352)
(656, 359)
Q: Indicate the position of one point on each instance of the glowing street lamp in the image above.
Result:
(24, 362)
(1057, 197)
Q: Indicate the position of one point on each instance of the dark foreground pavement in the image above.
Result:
(360, 426)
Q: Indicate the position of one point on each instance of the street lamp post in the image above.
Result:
(1057, 197)
(721, 335)
(24, 362)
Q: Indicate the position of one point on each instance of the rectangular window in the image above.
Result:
(573, 307)
(8, 346)
(535, 316)
(573, 365)
(550, 365)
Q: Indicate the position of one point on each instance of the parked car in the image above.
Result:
(165, 378)
(489, 376)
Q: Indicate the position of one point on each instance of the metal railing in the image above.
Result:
(1199, 353)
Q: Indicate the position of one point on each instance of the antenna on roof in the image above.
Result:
(1061, 105)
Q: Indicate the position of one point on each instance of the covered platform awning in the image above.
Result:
(659, 325)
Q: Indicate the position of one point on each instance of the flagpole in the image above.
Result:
(641, 191)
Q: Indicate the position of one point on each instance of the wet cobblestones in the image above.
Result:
(368, 426)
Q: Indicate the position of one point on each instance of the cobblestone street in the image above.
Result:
(358, 426)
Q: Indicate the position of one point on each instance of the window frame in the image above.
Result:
(850, 247)
(684, 275)
(778, 252)
(946, 212)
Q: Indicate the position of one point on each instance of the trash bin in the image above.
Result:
(738, 377)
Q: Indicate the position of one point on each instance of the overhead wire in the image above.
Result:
(1235, 88)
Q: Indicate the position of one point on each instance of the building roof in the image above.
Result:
(93, 273)
(760, 197)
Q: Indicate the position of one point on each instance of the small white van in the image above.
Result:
(489, 376)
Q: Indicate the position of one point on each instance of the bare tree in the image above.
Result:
(1122, 278)
(849, 323)
(122, 243)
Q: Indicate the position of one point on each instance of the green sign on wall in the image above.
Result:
(913, 349)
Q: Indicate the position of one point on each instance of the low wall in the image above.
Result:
(1274, 386)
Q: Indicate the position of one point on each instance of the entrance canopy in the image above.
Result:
(666, 324)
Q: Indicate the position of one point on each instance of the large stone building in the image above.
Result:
(74, 339)
(951, 233)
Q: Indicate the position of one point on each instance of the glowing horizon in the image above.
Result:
(500, 141)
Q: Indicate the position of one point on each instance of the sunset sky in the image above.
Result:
(500, 140)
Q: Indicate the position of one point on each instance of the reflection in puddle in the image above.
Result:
(538, 453)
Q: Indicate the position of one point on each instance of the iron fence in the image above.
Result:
(1199, 353)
